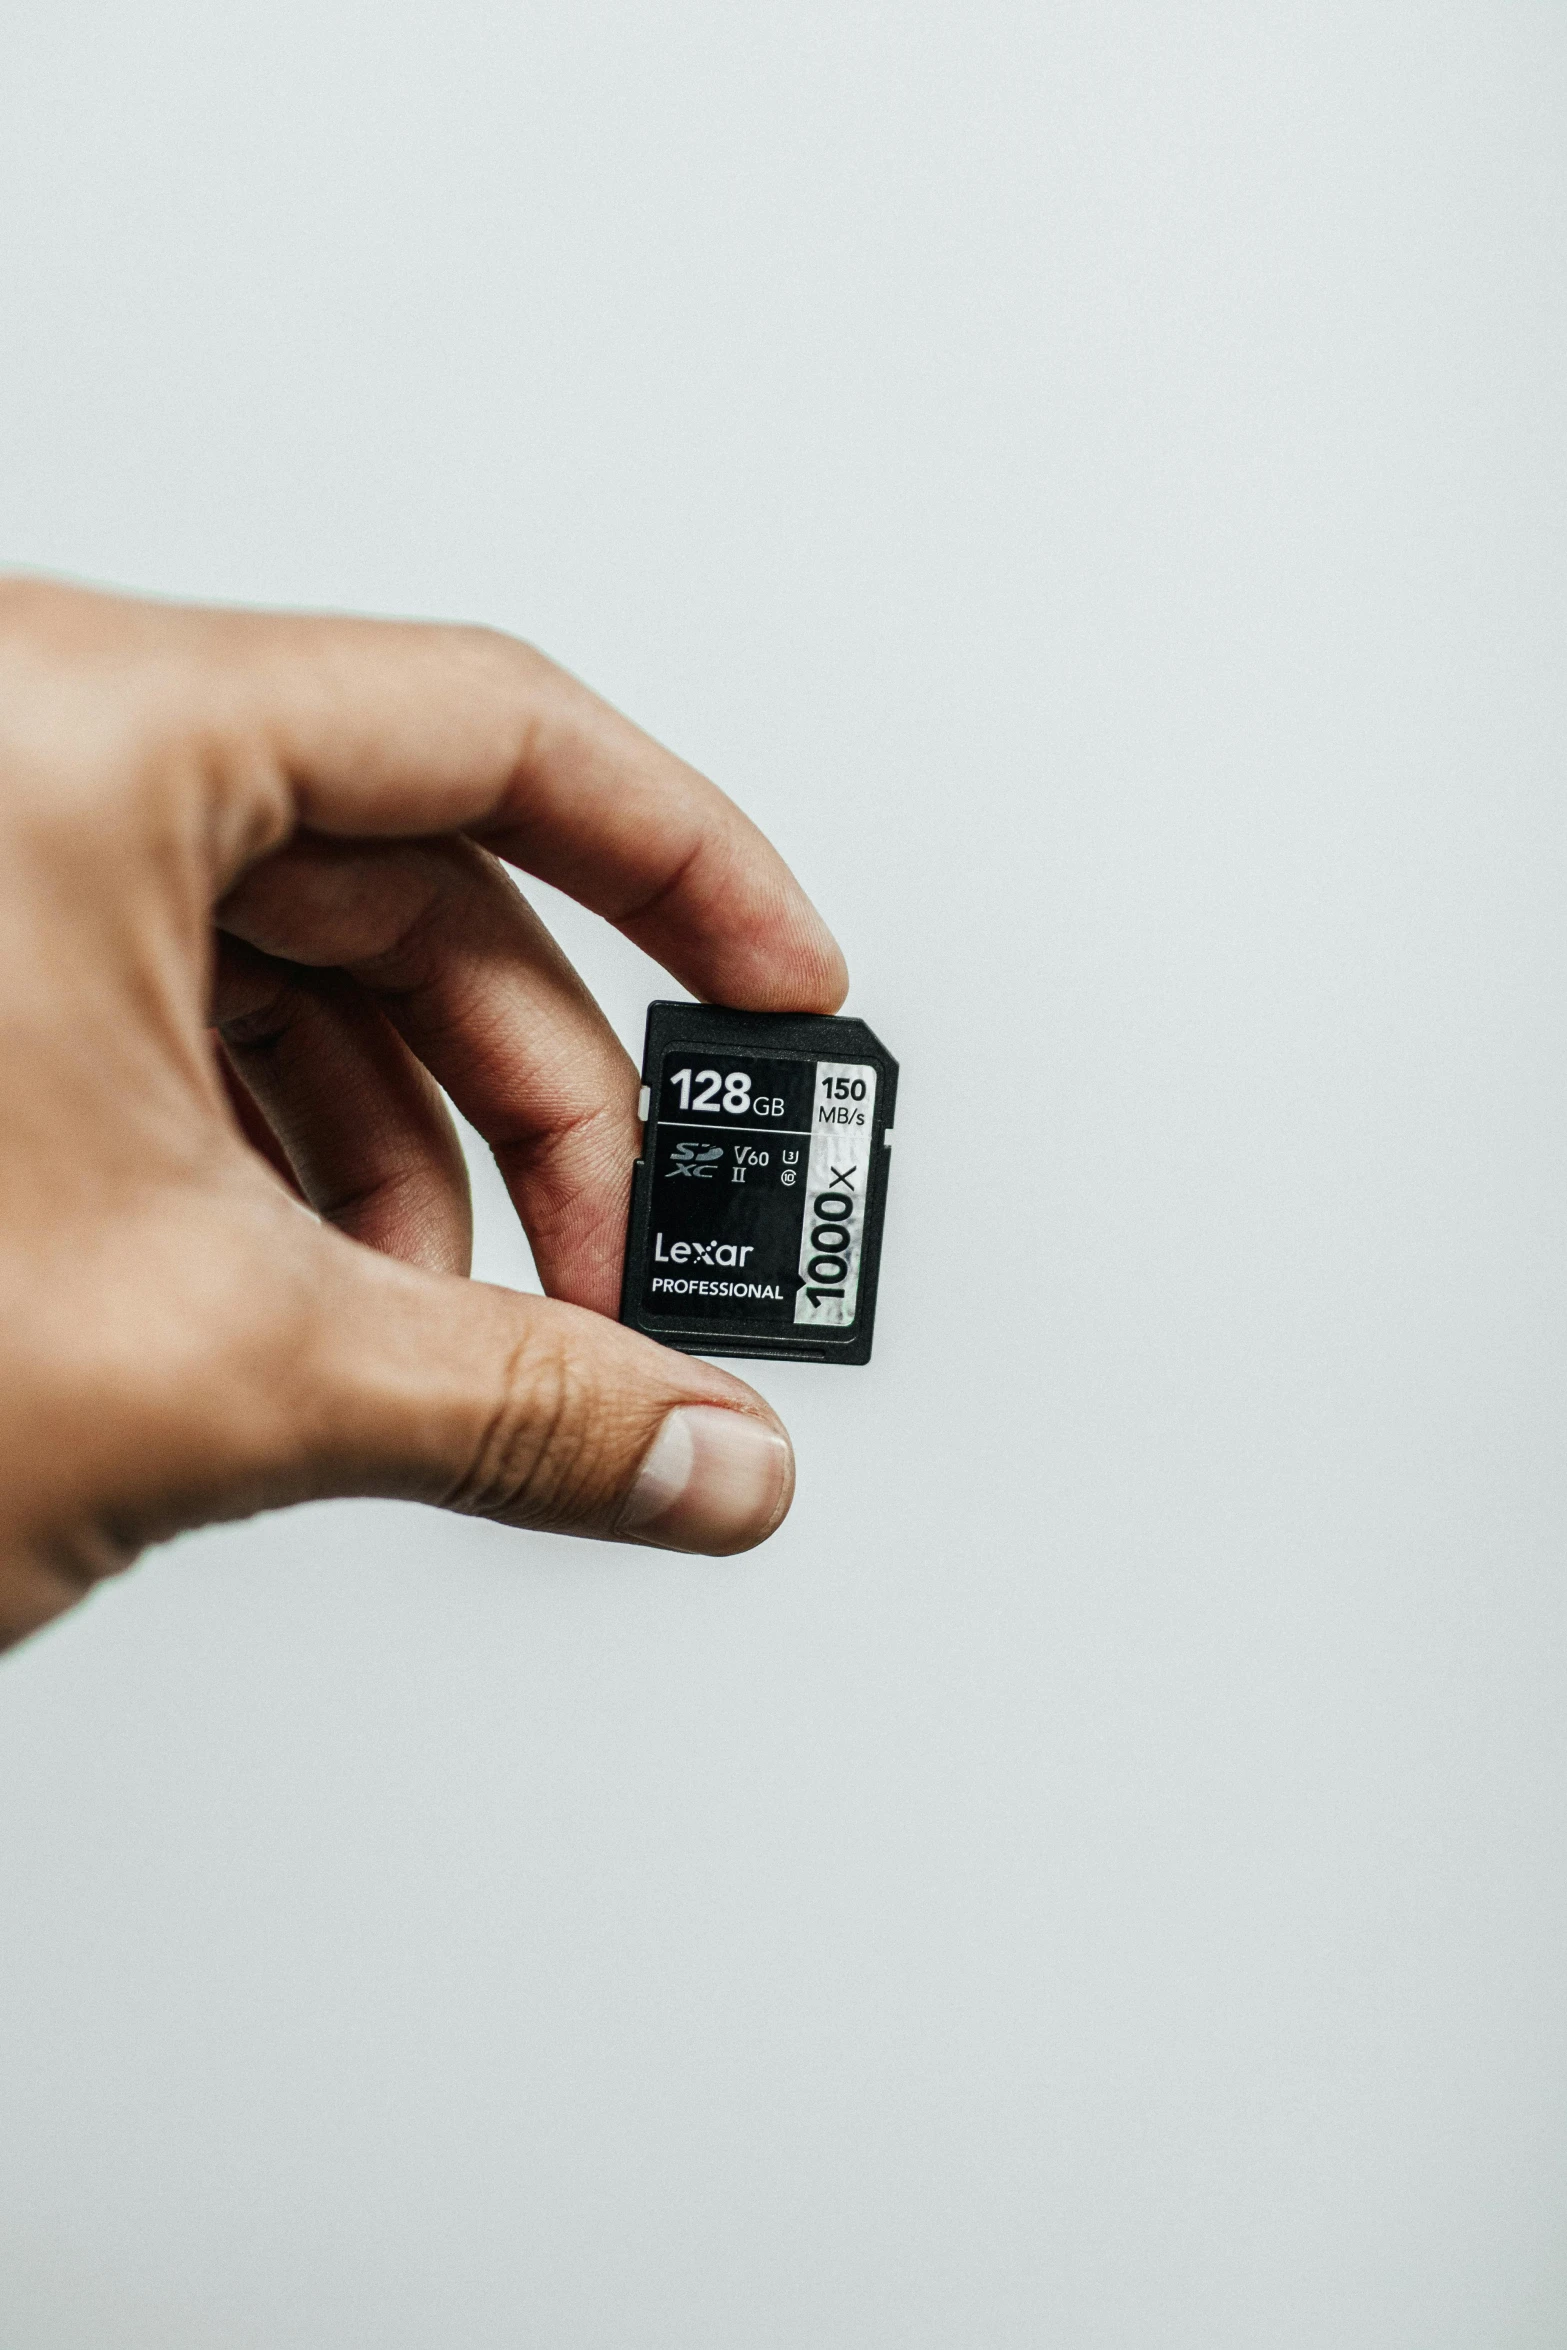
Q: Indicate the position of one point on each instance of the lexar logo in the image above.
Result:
(701, 1252)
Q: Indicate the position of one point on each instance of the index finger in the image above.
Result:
(376, 728)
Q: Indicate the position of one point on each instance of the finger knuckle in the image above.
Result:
(535, 1459)
(84, 717)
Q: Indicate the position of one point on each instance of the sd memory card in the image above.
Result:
(756, 1206)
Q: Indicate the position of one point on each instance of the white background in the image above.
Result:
(1090, 480)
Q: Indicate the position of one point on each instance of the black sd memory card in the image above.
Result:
(756, 1206)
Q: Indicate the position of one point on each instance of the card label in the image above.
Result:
(833, 1226)
(759, 1173)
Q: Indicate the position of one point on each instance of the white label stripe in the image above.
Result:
(839, 1173)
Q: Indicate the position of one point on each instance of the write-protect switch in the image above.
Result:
(757, 1203)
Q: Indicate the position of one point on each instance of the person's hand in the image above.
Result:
(253, 909)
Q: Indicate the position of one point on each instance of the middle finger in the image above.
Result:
(479, 990)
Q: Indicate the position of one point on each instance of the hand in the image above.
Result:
(254, 914)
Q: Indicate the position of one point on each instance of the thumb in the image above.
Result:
(236, 1356)
(530, 1412)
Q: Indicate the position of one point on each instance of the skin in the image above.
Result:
(256, 918)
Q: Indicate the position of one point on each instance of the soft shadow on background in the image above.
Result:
(1090, 480)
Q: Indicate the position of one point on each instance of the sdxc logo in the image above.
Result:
(696, 1159)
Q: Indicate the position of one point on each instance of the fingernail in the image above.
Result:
(712, 1480)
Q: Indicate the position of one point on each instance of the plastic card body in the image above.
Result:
(757, 1203)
